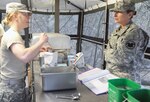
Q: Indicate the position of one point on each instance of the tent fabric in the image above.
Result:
(65, 5)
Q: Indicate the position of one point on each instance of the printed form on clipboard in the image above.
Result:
(96, 80)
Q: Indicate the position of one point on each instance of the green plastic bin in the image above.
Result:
(140, 95)
(118, 87)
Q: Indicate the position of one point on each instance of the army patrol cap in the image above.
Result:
(123, 6)
(15, 6)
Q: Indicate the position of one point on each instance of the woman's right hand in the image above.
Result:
(43, 38)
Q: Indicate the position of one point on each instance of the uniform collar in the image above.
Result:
(121, 31)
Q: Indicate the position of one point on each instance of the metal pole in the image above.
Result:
(56, 16)
(106, 31)
(0, 17)
(106, 23)
(80, 31)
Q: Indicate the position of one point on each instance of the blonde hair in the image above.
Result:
(8, 18)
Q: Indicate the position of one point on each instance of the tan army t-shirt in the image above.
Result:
(11, 66)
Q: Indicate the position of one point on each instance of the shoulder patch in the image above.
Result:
(130, 44)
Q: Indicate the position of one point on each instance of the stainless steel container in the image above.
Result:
(58, 78)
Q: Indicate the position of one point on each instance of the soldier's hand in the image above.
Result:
(43, 38)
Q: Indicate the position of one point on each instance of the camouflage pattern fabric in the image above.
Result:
(125, 51)
(124, 5)
(12, 92)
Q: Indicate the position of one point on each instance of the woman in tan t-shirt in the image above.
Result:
(14, 55)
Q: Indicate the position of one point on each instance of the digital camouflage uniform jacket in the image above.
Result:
(125, 50)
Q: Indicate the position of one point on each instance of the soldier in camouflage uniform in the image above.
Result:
(126, 45)
(14, 55)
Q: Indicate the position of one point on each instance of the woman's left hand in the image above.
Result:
(45, 48)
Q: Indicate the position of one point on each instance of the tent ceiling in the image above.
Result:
(65, 5)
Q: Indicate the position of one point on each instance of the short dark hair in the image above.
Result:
(128, 11)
